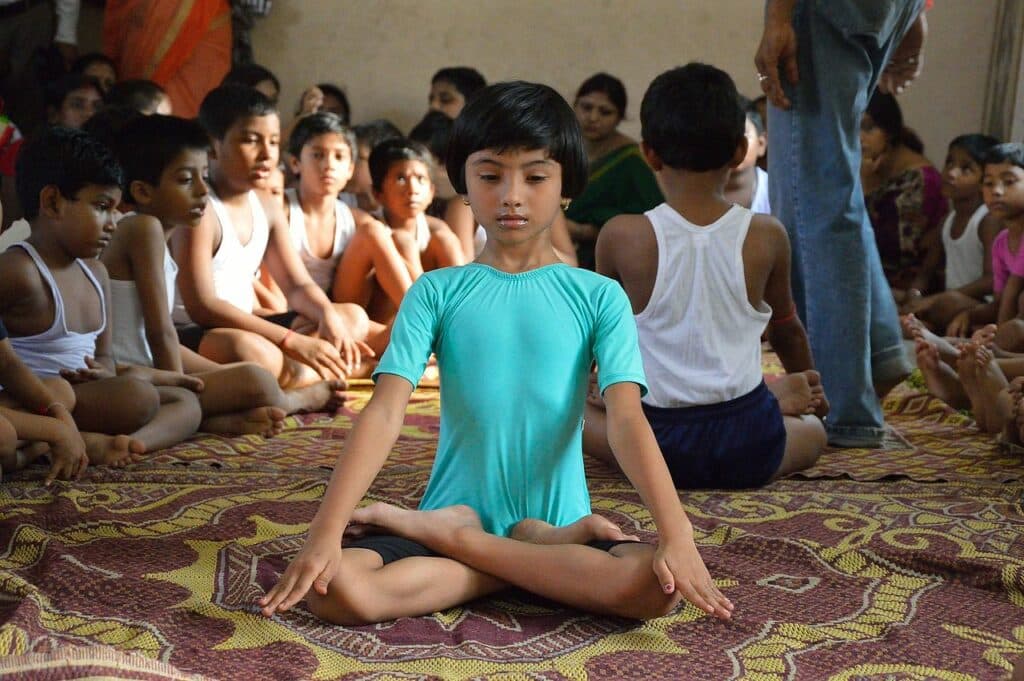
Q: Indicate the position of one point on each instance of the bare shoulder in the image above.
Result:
(766, 233)
(437, 224)
(139, 229)
(18, 274)
(98, 269)
(624, 230)
(272, 207)
(989, 226)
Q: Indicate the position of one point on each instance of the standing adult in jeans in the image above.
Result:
(818, 63)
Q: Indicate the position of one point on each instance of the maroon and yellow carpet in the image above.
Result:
(900, 563)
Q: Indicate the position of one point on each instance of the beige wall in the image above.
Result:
(383, 52)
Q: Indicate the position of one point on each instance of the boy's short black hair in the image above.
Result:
(81, 63)
(226, 105)
(138, 93)
(69, 159)
(466, 79)
(148, 144)
(332, 90)
(753, 115)
(314, 125)
(391, 151)
(692, 119)
(107, 123)
(1011, 152)
(434, 130)
(976, 145)
(56, 91)
(611, 86)
(250, 75)
(372, 133)
(519, 115)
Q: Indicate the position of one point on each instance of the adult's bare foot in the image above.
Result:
(940, 378)
(112, 450)
(588, 528)
(433, 529)
(265, 421)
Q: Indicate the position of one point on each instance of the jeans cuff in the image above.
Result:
(890, 364)
(867, 437)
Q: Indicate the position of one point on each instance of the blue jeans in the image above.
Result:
(814, 168)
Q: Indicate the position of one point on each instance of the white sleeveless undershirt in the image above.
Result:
(321, 269)
(700, 338)
(128, 325)
(46, 353)
(234, 264)
(965, 257)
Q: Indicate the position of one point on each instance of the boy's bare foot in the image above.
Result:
(433, 529)
(112, 450)
(914, 329)
(941, 379)
(800, 393)
(320, 396)
(265, 421)
(985, 335)
(991, 383)
(588, 528)
(912, 326)
(967, 370)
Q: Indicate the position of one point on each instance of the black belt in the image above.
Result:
(13, 8)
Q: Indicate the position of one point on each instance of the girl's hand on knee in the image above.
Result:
(314, 566)
(679, 567)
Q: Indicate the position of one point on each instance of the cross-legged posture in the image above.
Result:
(515, 334)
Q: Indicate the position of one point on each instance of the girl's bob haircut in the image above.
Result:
(519, 115)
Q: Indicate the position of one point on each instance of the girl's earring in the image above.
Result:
(565, 203)
(465, 201)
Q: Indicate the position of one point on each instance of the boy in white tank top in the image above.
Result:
(54, 296)
(165, 161)
(216, 292)
(705, 277)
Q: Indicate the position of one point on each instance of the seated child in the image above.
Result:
(966, 245)
(270, 299)
(400, 170)
(165, 161)
(980, 374)
(141, 95)
(451, 87)
(219, 257)
(359, 190)
(99, 66)
(347, 252)
(54, 293)
(515, 333)
(705, 277)
(257, 77)
(321, 98)
(72, 100)
(35, 420)
(748, 182)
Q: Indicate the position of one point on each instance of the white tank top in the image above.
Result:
(46, 353)
(127, 323)
(965, 257)
(759, 203)
(700, 338)
(234, 264)
(321, 269)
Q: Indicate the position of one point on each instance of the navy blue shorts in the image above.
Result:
(391, 548)
(191, 335)
(729, 445)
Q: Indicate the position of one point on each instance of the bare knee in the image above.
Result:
(135, 402)
(189, 413)
(347, 603)
(256, 385)
(356, 320)
(1010, 334)
(61, 391)
(8, 439)
(639, 594)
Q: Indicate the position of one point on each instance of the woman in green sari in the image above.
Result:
(620, 180)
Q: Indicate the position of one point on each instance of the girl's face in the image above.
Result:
(1003, 190)
(597, 116)
(324, 165)
(515, 193)
(961, 175)
(873, 142)
(103, 73)
(78, 107)
(446, 98)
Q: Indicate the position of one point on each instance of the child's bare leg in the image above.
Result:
(947, 305)
(242, 386)
(8, 446)
(366, 591)
(409, 250)
(967, 370)
(226, 346)
(805, 438)
(371, 249)
(588, 528)
(265, 421)
(115, 405)
(175, 421)
(913, 329)
(619, 582)
(1010, 335)
(941, 378)
(991, 383)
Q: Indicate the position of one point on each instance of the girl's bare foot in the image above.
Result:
(112, 450)
(588, 528)
(265, 421)
(941, 379)
(433, 529)
(320, 396)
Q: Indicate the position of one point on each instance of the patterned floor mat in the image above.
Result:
(918, 574)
